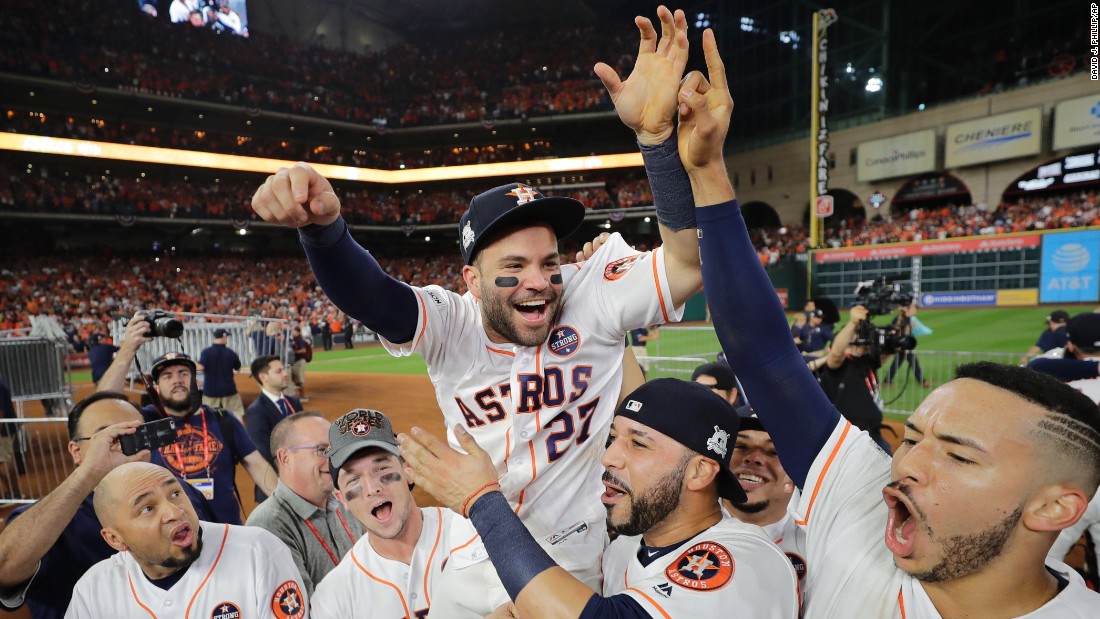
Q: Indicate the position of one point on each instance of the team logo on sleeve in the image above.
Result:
(564, 341)
(287, 603)
(706, 566)
(615, 270)
(226, 610)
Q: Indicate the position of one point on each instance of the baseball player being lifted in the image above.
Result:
(391, 569)
(170, 564)
(529, 360)
(958, 524)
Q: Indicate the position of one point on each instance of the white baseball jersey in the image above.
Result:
(240, 572)
(543, 413)
(389, 589)
(729, 570)
(791, 539)
(845, 518)
(1090, 521)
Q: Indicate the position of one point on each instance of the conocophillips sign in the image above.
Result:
(901, 155)
(1004, 136)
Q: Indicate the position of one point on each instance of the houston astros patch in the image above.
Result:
(287, 602)
(615, 270)
(706, 566)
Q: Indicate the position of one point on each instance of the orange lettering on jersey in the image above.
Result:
(706, 566)
(615, 270)
(287, 601)
(191, 453)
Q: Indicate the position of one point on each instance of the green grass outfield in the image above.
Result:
(1000, 330)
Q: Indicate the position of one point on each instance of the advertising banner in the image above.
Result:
(1021, 297)
(949, 299)
(926, 248)
(1071, 264)
(1004, 136)
(901, 155)
(1077, 122)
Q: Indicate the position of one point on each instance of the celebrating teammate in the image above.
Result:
(391, 569)
(170, 561)
(529, 360)
(992, 466)
(666, 465)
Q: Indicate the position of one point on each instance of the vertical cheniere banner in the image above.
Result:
(1070, 267)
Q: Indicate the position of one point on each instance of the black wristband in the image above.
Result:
(669, 181)
(516, 556)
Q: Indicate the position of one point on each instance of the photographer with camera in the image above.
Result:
(903, 327)
(848, 375)
(210, 441)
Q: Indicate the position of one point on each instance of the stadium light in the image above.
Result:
(874, 84)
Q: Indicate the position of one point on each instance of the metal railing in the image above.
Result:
(34, 458)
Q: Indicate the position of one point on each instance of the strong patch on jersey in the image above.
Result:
(564, 341)
(287, 602)
(706, 566)
(615, 270)
(226, 610)
(799, 565)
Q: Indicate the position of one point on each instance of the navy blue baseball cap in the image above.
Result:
(722, 374)
(514, 204)
(749, 420)
(694, 416)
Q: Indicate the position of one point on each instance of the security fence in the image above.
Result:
(34, 458)
(248, 336)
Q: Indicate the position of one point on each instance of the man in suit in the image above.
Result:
(269, 407)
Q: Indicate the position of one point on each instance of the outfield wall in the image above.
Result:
(1030, 268)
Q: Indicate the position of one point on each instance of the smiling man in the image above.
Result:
(170, 561)
(529, 359)
(958, 524)
(302, 512)
(392, 569)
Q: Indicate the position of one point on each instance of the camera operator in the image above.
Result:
(211, 441)
(903, 327)
(848, 375)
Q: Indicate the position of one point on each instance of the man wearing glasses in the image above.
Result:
(302, 511)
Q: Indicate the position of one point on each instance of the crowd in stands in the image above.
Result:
(85, 292)
(43, 189)
(145, 134)
(517, 73)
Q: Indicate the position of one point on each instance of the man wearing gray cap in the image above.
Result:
(219, 364)
(667, 464)
(391, 569)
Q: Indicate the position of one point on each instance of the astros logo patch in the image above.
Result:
(226, 610)
(706, 566)
(192, 453)
(287, 603)
(564, 341)
(617, 269)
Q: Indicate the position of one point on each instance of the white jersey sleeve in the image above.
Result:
(1090, 522)
(240, 572)
(731, 569)
(842, 511)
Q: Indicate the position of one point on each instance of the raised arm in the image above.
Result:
(646, 102)
(137, 333)
(744, 308)
(299, 197)
(843, 338)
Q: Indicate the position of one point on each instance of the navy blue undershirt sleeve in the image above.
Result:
(615, 607)
(754, 334)
(1066, 370)
(356, 283)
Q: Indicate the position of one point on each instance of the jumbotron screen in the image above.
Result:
(228, 16)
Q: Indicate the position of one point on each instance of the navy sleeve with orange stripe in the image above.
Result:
(754, 334)
(355, 282)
